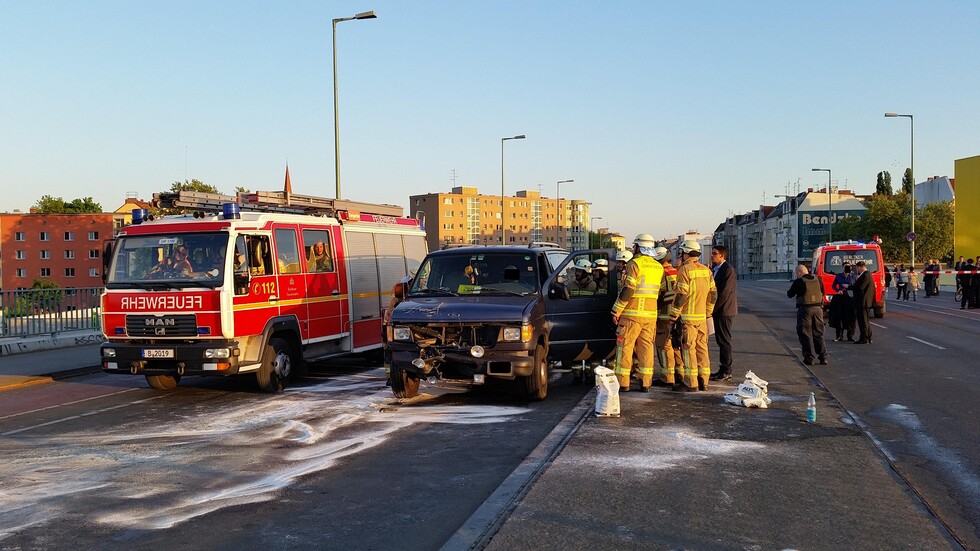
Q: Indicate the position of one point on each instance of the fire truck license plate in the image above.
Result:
(158, 353)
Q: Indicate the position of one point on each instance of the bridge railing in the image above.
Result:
(41, 311)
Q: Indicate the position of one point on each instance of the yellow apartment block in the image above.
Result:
(466, 217)
(966, 227)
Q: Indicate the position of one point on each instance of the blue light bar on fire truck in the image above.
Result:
(231, 211)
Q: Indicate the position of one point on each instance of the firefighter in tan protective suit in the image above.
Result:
(635, 313)
(694, 301)
(668, 357)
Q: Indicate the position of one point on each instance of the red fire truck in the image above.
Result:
(275, 280)
(829, 260)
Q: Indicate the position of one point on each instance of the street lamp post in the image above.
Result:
(503, 219)
(911, 171)
(830, 204)
(558, 208)
(336, 123)
(591, 221)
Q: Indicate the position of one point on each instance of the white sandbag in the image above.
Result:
(752, 393)
(607, 387)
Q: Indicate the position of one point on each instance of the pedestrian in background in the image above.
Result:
(913, 285)
(901, 283)
(725, 310)
(841, 309)
(808, 292)
(968, 282)
(864, 298)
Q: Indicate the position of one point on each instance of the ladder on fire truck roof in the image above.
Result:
(270, 201)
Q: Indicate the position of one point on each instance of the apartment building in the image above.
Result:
(63, 248)
(466, 217)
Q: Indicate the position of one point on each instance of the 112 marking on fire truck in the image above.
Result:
(274, 280)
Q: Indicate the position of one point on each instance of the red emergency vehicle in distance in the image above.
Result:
(829, 259)
(275, 280)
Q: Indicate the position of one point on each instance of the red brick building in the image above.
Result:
(63, 248)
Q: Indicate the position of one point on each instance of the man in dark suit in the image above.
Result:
(726, 308)
(864, 298)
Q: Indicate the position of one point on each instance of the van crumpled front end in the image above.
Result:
(462, 351)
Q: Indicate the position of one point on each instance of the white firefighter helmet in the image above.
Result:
(645, 240)
(583, 264)
(660, 253)
(624, 256)
(601, 264)
(690, 246)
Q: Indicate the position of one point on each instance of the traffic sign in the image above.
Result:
(910, 237)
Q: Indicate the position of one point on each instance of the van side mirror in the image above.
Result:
(559, 290)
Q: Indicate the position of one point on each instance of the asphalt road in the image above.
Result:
(914, 392)
(102, 462)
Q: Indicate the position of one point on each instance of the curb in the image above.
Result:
(34, 380)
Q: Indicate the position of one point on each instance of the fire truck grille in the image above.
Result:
(161, 326)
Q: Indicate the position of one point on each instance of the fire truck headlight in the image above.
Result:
(108, 352)
(402, 334)
(212, 353)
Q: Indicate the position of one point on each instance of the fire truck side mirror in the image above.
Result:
(106, 260)
(241, 280)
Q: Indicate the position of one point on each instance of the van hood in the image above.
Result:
(468, 309)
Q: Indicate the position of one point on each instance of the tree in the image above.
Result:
(884, 186)
(186, 185)
(934, 231)
(907, 182)
(193, 185)
(57, 205)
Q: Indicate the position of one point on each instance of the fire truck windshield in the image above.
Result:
(198, 259)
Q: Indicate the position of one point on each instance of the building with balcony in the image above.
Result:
(466, 217)
(63, 248)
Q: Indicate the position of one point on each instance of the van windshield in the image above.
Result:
(477, 274)
(833, 261)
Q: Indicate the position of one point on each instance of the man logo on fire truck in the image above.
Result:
(259, 289)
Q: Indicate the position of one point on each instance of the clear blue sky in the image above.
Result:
(668, 116)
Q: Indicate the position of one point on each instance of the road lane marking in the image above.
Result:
(943, 312)
(80, 415)
(66, 403)
(925, 342)
(878, 325)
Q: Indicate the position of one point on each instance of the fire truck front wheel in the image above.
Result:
(277, 366)
(163, 382)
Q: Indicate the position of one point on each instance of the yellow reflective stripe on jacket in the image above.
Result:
(638, 299)
(667, 290)
(695, 296)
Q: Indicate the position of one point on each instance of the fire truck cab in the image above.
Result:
(275, 280)
(829, 260)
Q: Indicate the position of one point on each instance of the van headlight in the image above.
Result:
(518, 334)
(401, 334)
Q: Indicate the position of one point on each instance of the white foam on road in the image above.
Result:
(653, 449)
(927, 446)
(155, 468)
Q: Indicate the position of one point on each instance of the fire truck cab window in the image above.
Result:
(259, 255)
(167, 257)
(287, 251)
(319, 257)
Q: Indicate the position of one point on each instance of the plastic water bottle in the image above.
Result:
(811, 409)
